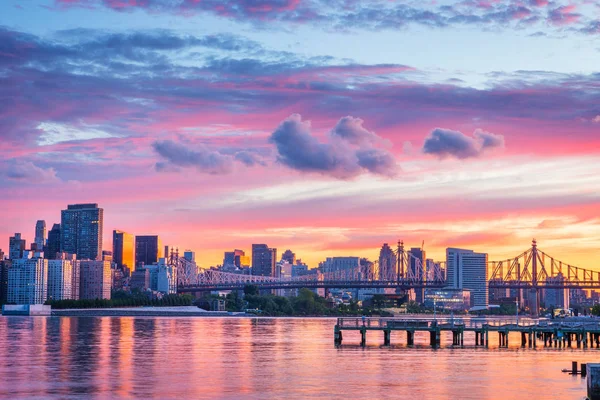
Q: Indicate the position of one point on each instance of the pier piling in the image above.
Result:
(593, 381)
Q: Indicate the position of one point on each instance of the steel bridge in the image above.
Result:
(532, 269)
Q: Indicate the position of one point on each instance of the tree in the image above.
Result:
(412, 307)
(251, 290)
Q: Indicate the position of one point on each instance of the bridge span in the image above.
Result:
(533, 269)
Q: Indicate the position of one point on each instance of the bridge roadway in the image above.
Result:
(558, 334)
(356, 284)
(310, 285)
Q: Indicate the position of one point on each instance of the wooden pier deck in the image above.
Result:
(532, 333)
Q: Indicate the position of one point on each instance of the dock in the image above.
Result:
(532, 333)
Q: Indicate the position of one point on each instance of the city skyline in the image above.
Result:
(325, 127)
(135, 240)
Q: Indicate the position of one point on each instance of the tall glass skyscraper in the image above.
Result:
(148, 249)
(123, 250)
(53, 242)
(40, 235)
(81, 231)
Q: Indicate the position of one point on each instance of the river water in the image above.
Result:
(259, 358)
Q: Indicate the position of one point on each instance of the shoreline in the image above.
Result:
(190, 311)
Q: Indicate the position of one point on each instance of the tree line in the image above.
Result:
(124, 299)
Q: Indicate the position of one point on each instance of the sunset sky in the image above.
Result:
(324, 126)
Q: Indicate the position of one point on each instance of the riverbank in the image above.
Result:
(184, 311)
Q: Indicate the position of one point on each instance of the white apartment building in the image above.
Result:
(467, 270)
(28, 279)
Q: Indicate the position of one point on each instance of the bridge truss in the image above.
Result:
(532, 269)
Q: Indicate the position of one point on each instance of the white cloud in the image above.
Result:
(53, 133)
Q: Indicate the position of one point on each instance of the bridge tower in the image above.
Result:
(534, 277)
(401, 258)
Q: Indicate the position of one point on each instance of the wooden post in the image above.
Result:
(337, 335)
(410, 338)
(573, 367)
(363, 336)
(593, 381)
(583, 370)
(386, 337)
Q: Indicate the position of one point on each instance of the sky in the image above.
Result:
(327, 127)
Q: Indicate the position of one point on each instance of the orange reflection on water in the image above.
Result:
(264, 358)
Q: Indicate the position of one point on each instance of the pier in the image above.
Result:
(531, 334)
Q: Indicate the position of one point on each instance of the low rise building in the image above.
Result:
(448, 299)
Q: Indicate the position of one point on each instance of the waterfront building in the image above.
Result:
(16, 246)
(140, 279)
(27, 281)
(448, 299)
(123, 250)
(555, 298)
(387, 263)
(468, 270)
(416, 264)
(40, 235)
(81, 227)
(4, 266)
(166, 280)
(63, 274)
(263, 260)
(53, 247)
(95, 279)
(148, 249)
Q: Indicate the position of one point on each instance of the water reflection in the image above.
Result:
(261, 358)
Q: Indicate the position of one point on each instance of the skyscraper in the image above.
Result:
(28, 279)
(289, 256)
(53, 246)
(189, 255)
(387, 263)
(263, 260)
(417, 269)
(123, 250)
(148, 249)
(40, 235)
(16, 246)
(236, 258)
(81, 231)
(468, 270)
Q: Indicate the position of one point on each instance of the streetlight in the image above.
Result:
(517, 301)
(434, 303)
